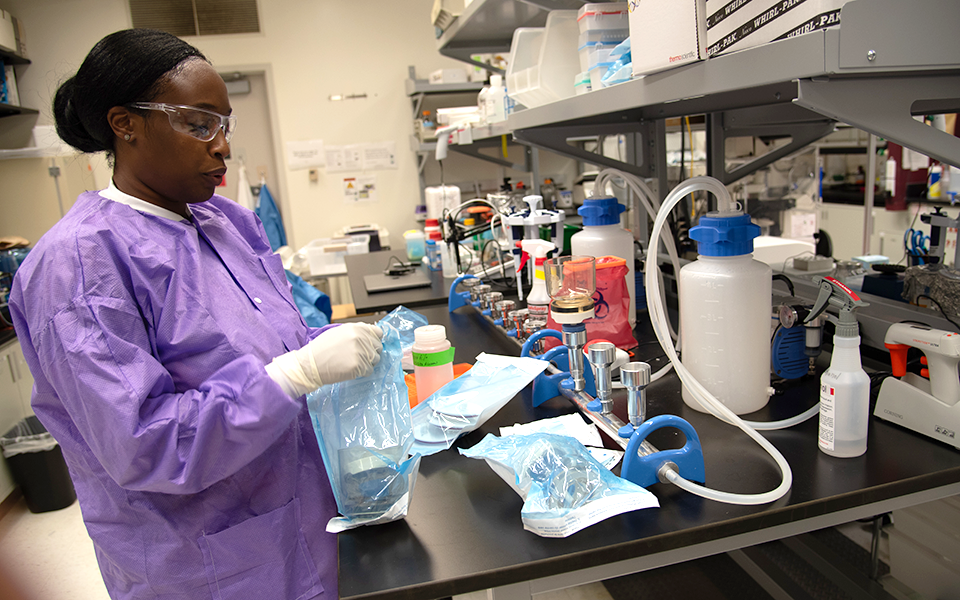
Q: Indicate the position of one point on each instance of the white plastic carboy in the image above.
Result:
(602, 235)
(725, 300)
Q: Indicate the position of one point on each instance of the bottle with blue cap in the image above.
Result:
(725, 299)
(602, 235)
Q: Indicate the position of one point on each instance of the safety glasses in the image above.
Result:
(196, 122)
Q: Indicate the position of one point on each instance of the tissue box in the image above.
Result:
(667, 33)
(738, 24)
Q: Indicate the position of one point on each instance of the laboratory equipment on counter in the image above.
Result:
(478, 292)
(602, 235)
(929, 406)
(488, 300)
(432, 256)
(538, 300)
(795, 349)
(571, 282)
(501, 311)
(525, 225)
(635, 376)
(432, 359)
(416, 244)
(940, 223)
(845, 386)
(725, 300)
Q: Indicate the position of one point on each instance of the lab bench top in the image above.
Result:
(359, 265)
(463, 531)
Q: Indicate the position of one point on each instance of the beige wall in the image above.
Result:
(309, 49)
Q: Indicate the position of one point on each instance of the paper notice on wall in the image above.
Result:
(307, 154)
(360, 189)
(353, 157)
(382, 155)
(336, 159)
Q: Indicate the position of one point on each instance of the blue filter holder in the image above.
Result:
(601, 210)
(725, 236)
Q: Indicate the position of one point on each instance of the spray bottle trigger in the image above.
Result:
(898, 358)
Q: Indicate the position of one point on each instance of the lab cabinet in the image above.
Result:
(16, 385)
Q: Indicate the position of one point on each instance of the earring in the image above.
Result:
(126, 137)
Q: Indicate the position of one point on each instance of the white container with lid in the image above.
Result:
(432, 359)
(602, 235)
(725, 300)
(606, 15)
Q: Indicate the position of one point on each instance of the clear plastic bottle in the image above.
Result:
(725, 300)
(495, 98)
(602, 235)
(844, 400)
(432, 360)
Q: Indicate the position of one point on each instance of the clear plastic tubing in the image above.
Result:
(432, 360)
(706, 400)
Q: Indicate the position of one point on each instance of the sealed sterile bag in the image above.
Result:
(468, 401)
(405, 321)
(563, 488)
(365, 434)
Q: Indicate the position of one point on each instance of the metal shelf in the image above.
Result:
(871, 73)
(7, 110)
(486, 26)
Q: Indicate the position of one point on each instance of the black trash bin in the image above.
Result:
(37, 465)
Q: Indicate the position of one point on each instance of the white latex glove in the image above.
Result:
(345, 352)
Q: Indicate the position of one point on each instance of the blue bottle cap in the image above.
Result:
(725, 236)
(431, 242)
(601, 210)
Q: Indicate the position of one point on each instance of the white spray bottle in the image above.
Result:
(845, 386)
(538, 300)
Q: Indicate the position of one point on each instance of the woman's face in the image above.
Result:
(170, 168)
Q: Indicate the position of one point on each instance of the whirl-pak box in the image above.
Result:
(739, 24)
(666, 34)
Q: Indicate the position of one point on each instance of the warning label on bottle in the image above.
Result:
(828, 397)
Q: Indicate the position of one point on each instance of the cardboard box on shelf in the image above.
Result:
(739, 24)
(8, 35)
(666, 34)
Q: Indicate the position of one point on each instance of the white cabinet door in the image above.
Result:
(24, 380)
(11, 408)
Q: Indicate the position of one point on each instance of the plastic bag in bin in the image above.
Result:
(365, 434)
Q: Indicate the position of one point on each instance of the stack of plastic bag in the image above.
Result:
(563, 488)
(365, 434)
(466, 403)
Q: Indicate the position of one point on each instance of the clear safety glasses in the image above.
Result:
(196, 122)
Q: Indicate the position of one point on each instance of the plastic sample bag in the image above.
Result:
(365, 434)
(405, 321)
(563, 488)
(468, 401)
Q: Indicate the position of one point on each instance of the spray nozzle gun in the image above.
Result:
(846, 301)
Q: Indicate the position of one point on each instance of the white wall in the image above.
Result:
(309, 50)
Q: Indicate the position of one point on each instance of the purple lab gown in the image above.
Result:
(198, 477)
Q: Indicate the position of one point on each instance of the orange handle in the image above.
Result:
(898, 358)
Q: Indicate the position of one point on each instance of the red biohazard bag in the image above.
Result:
(612, 307)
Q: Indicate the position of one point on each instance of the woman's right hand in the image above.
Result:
(339, 354)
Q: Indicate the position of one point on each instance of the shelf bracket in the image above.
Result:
(885, 108)
(474, 151)
(555, 139)
(782, 120)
